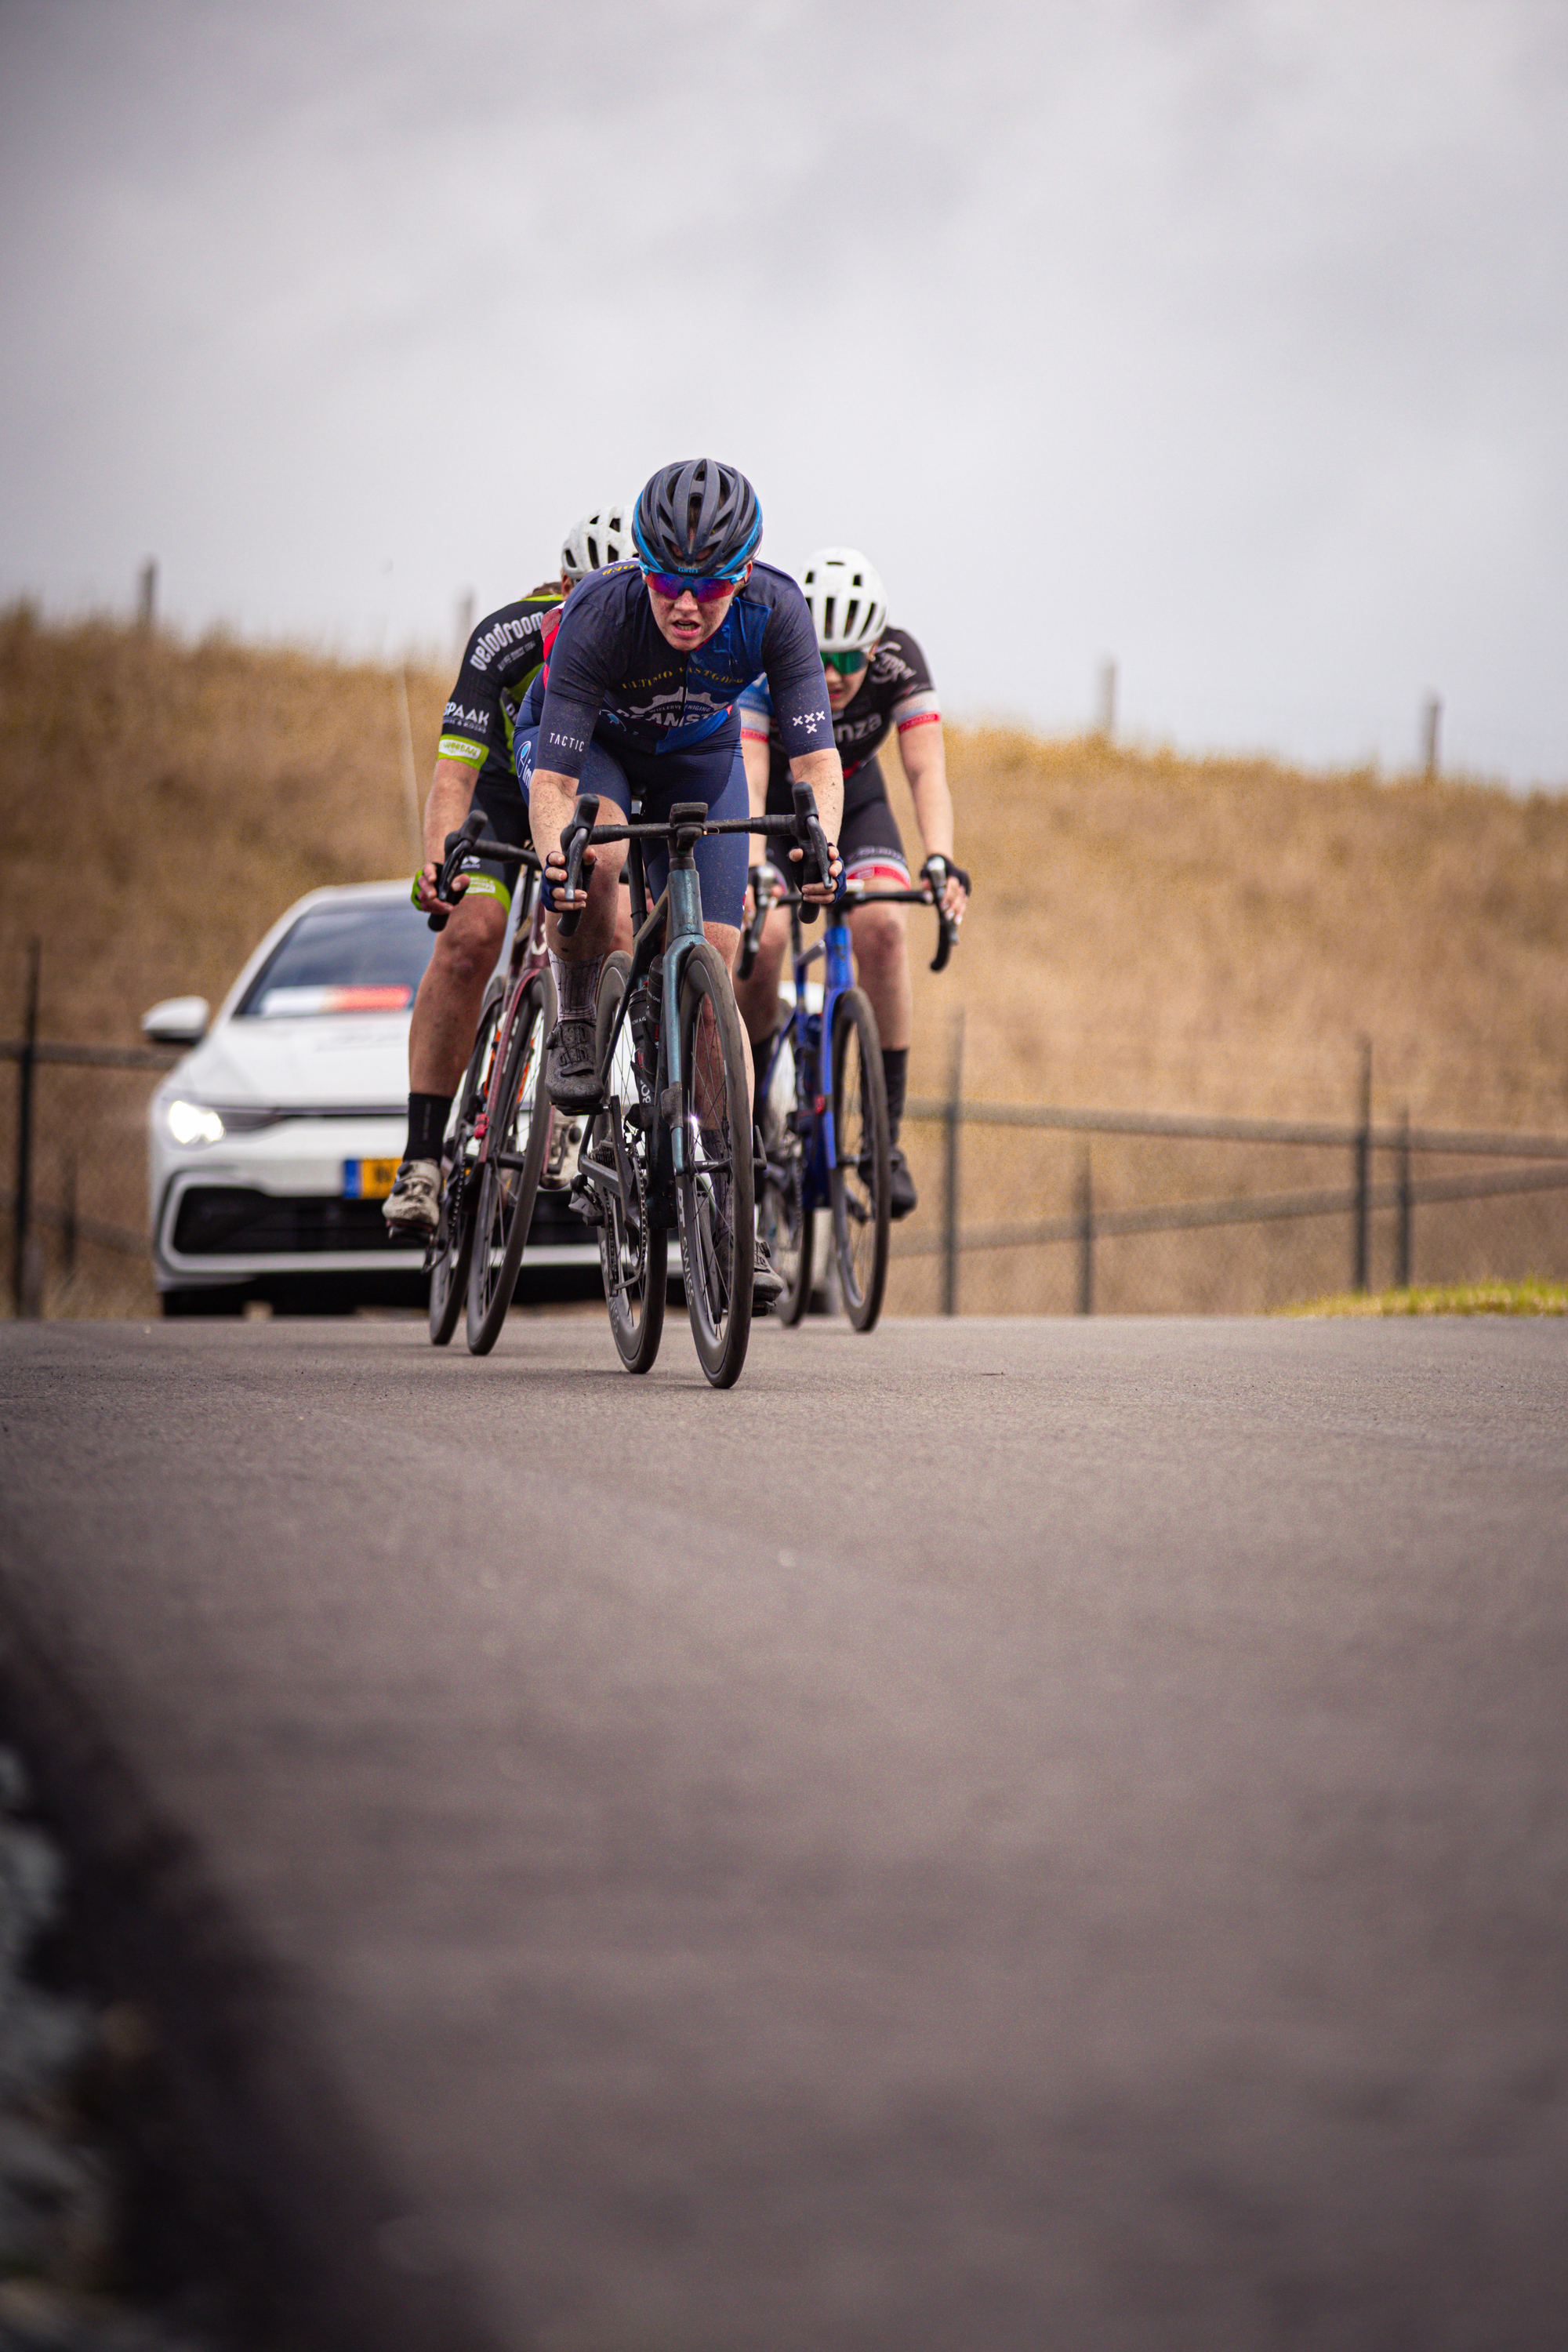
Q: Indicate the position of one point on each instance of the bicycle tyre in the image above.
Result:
(636, 1279)
(455, 1233)
(861, 1181)
(518, 1112)
(714, 1191)
(785, 1223)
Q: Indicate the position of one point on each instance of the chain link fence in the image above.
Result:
(1024, 1209)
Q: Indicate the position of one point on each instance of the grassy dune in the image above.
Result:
(1148, 931)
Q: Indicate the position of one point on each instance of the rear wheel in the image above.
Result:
(785, 1223)
(713, 1189)
(454, 1239)
(516, 1137)
(633, 1259)
(861, 1184)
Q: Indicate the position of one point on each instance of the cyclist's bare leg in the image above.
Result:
(757, 995)
(446, 1007)
(882, 967)
(725, 939)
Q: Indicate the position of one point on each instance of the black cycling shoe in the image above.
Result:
(571, 1075)
(902, 1194)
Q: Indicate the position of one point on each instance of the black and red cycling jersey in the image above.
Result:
(896, 692)
(500, 662)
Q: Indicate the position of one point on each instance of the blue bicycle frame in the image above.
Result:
(810, 1038)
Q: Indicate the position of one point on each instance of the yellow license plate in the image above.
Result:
(368, 1180)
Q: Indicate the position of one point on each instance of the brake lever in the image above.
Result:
(458, 846)
(574, 842)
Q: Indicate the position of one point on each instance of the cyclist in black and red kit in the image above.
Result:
(876, 681)
(474, 766)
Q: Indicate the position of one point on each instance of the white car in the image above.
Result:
(272, 1145)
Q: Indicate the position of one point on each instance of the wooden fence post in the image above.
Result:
(147, 596)
(950, 1117)
(1362, 1271)
(23, 1288)
(1407, 1204)
(1085, 1236)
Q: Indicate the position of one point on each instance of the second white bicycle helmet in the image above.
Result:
(848, 603)
(600, 538)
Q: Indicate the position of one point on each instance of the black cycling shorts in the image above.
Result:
(711, 772)
(868, 838)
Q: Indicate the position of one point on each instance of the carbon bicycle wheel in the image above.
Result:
(713, 1191)
(455, 1234)
(634, 1258)
(785, 1223)
(861, 1183)
(517, 1134)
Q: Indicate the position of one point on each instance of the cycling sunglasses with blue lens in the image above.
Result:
(847, 665)
(675, 583)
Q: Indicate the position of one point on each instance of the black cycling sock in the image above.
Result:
(896, 1070)
(427, 1116)
(761, 1053)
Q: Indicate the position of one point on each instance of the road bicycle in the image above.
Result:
(670, 1145)
(500, 1128)
(830, 1147)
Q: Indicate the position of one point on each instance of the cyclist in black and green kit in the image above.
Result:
(474, 768)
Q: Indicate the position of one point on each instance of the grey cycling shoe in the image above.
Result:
(566, 1150)
(767, 1282)
(571, 1075)
(412, 1207)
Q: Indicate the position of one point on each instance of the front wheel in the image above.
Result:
(454, 1240)
(633, 1257)
(861, 1181)
(713, 1185)
(516, 1137)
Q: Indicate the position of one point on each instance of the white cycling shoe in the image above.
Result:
(412, 1207)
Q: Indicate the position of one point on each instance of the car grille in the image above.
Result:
(235, 1221)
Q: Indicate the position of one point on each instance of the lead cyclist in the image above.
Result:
(637, 697)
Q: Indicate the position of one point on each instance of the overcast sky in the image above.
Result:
(1226, 337)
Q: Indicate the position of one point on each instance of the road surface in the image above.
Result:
(996, 1836)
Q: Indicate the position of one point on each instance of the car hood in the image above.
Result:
(358, 1060)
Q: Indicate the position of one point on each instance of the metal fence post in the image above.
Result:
(68, 1219)
(1085, 1237)
(1406, 1203)
(951, 1115)
(22, 1287)
(1362, 1272)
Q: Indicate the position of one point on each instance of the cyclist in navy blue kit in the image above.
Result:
(637, 697)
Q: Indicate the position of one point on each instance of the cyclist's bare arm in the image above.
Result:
(451, 794)
(924, 756)
(823, 771)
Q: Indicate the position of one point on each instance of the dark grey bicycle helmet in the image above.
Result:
(697, 516)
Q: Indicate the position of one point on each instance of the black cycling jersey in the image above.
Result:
(500, 663)
(897, 691)
(612, 674)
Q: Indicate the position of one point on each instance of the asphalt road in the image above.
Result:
(996, 1836)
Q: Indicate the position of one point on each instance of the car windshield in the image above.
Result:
(357, 955)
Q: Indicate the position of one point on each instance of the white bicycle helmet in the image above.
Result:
(600, 538)
(848, 603)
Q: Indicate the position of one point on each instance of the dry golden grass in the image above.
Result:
(1147, 932)
(1452, 1298)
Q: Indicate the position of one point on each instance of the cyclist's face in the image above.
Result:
(842, 690)
(685, 622)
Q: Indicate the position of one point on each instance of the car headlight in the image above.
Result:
(192, 1122)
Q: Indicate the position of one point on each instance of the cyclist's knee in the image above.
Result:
(726, 939)
(466, 949)
(879, 934)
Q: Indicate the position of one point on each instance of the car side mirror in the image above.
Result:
(178, 1021)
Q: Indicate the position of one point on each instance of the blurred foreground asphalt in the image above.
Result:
(995, 1835)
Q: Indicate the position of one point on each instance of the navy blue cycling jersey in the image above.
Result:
(613, 673)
